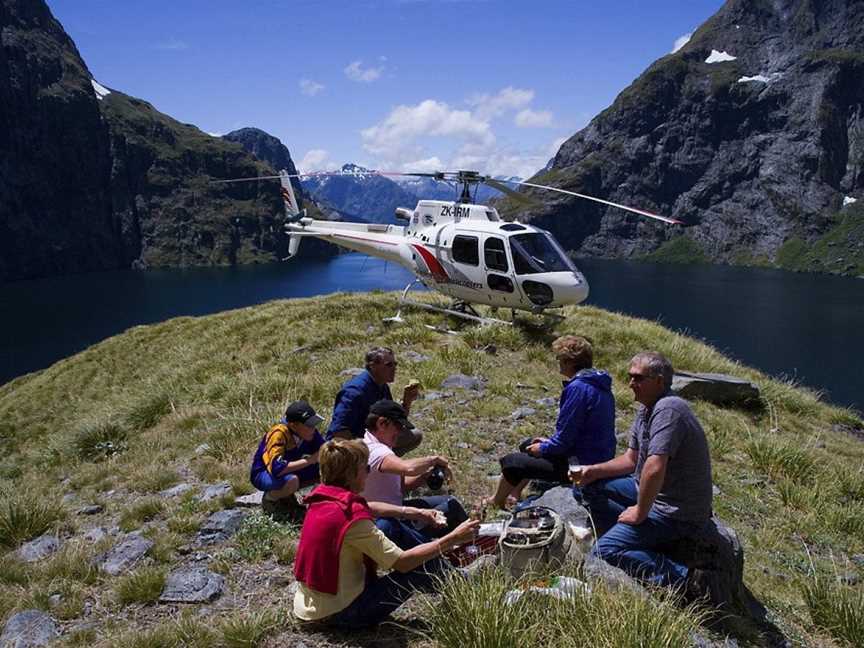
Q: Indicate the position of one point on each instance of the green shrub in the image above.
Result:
(24, 517)
(141, 586)
(99, 441)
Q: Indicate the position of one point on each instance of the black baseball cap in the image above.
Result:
(301, 412)
(393, 411)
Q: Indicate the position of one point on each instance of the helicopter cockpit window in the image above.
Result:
(466, 249)
(494, 254)
(538, 252)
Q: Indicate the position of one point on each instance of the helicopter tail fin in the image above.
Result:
(292, 208)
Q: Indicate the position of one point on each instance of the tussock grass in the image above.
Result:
(23, 517)
(144, 585)
(249, 629)
(98, 441)
(472, 613)
(836, 608)
(779, 459)
(149, 410)
(134, 516)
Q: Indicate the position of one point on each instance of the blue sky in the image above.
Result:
(390, 84)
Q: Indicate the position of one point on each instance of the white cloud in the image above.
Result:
(719, 57)
(396, 134)
(552, 151)
(171, 44)
(528, 118)
(487, 106)
(681, 41)
(356, 72)
(316, 160)
(427, 165)
(214, 134)
(310, 88)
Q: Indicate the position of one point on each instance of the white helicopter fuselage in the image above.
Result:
(464, 251)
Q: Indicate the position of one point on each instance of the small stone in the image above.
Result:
(40, 548)
(176, 491)
(95, 534)
(68, 498)
(250, 501)
(28, 628)
(125, 554)
(220, 526)
(490, 349)
(55, 599)
(522, 412)
(195, 585)
(202, 449)
(463, 445)
(461, 381)
(433, 395)
(215, 491)
(715, 490)
(353, 371)
(848, 578)
(91, 509)
(858, 559)
(413, 356)
(549, 401)
(370, 329)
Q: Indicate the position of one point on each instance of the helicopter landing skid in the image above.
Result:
(460, 309)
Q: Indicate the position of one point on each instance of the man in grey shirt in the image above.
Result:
(668, 495)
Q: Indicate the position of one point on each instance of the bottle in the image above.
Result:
(435, 480)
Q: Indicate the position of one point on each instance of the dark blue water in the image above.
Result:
(807, 327)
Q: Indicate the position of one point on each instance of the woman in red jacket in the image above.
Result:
(340, 547)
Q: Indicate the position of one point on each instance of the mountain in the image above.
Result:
(358, 194)
(93, 179)
(752, 134)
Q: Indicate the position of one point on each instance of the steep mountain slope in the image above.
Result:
(372, 198)
(751, 134)
(93, 179)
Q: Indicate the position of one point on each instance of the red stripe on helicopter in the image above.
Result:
(437, 270)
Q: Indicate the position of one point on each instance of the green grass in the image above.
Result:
(837, 609)
(680, 249)
(837, 250)
(786, 476)
(144, 585)
(23, 517)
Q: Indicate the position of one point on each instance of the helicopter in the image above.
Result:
(463, 250)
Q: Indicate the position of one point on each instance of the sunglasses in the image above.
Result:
(635, 377)
(390, 364)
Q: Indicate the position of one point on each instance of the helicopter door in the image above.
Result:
(497, 266)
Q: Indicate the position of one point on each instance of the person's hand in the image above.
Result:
(631, 515)
(430, 517)
(410, 394)
(539, 440)
(585, 476)
(533, 449)
(465, 532)
(313, 458)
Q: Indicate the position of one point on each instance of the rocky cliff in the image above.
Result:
(93, 179)
(752, 134)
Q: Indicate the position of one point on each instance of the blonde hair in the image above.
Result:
(341, 460)
(576, 349)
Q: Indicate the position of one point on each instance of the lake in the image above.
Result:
(807, 327)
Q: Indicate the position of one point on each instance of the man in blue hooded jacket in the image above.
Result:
(584, 431)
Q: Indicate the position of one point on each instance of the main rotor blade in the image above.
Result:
(515, 195)
(274, 177)
(641, 212)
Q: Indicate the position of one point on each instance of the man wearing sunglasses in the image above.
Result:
(358, 394)
(657, 492)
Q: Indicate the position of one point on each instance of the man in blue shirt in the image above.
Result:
(584, 431)
(358, 394)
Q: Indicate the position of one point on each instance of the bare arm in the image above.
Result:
(411, 467)
(621, 465)
(650, 483)
(385, 510)
(413, 558)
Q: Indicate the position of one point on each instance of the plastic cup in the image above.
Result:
(574, 471)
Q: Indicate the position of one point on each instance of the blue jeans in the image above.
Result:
(383, 595)
(633, 548)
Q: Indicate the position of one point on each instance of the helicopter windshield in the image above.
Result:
(538, 252)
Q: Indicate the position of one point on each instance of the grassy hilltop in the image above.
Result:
(121, 421)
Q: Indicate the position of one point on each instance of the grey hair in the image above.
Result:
(656, 364)
(376, 355)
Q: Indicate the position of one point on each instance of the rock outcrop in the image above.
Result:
(755, 151)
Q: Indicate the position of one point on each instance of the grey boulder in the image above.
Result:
(522, 412)
(461, 381)
(40, 548)
(28, 628)
(215, 491)
(192, 585)
(176, 491)
(719, 389)
(220, 526)
(122, 556)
